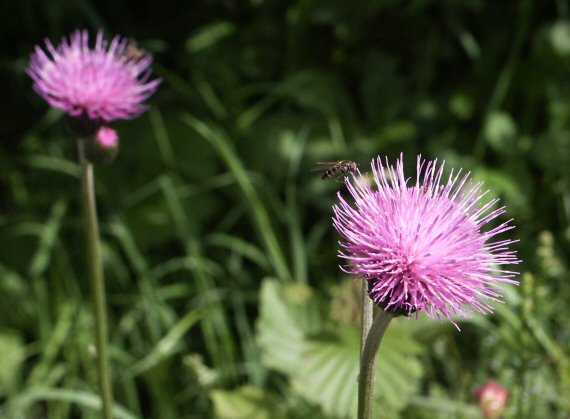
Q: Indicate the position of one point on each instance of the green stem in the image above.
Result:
(366, 316)
(96, 279)
(368, 364)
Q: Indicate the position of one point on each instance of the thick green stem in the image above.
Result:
(96, 280)
(366, 316)
(368, 364)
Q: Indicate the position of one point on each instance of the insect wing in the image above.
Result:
(324, 165)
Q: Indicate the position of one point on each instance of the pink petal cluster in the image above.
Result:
(100, 83)
(420, 244)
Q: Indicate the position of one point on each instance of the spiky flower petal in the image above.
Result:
(99, 83)
(422, 246)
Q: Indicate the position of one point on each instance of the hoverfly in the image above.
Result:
(133, 52)
(335, 168)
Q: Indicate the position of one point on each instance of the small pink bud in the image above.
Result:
(107, 138)
(493, 399)
(103, 146)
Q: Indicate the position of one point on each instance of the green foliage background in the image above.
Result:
(223, 284)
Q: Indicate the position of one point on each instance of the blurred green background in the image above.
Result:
(224, 291)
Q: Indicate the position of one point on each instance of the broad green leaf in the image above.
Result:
(329, 371)
(323, 366)
(399, 370)
(288, 312)
(245, 403)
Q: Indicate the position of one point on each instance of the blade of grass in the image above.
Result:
(298, 248)
(505, 78)
(41, 261)
(162, 138)
(255, 369)
(149, 301)
(210, 98)
(55, 164)
(83, 399)
(214, 325)
(54, 344)
(167, 345)
(241, 246)
(258, 212)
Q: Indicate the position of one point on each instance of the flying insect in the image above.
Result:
(133, 52)
(336, 168)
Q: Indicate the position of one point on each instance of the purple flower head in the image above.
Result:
(421, 246)
(103, 83)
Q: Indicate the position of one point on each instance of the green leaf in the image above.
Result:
(13, 355)
(209, 35)
(329, 371)
(500, 131)
(560, 37)
(323, 365)
(288, 312)
(328, 376)
(399, 370)
(245, 403)
(502, 185)
(168, 345)
(86, 401)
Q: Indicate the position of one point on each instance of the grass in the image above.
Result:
(220, 259)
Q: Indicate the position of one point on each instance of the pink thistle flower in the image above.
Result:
(421, 246)
(101, 83)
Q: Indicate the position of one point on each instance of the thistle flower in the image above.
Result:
(421, 246)
(103, 83)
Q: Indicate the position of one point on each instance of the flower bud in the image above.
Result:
(493, 399)
(103, 146)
